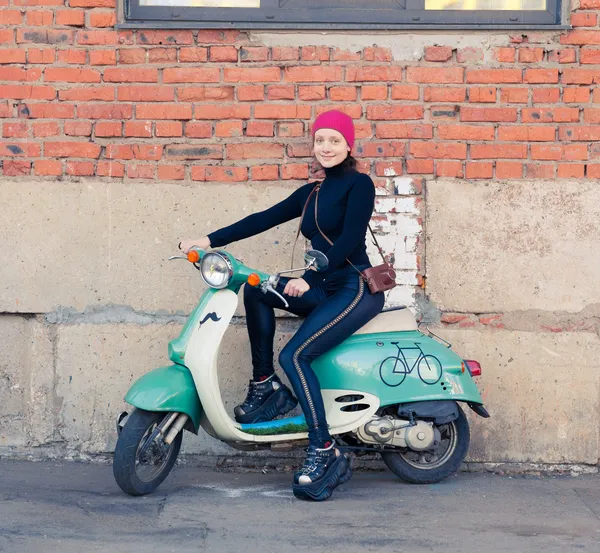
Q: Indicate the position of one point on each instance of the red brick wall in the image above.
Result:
(78, 98)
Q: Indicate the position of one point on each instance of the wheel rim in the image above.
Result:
(432, 459)
(151, 460)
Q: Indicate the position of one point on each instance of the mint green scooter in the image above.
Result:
(388, 389)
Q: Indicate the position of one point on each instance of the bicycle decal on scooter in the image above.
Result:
(428, 367)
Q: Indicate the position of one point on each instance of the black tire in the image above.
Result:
(404, 467)
(126, 458)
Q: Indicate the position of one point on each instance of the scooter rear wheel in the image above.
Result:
(430, 467)
(139, 468)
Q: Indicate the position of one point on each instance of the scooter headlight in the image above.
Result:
(216, 270)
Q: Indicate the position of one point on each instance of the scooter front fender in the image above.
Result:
(168, 389)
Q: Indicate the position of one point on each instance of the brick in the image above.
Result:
(589, 4)
(27, 92)
(71, 75)
(7, 36)
(163, 111)
(498, 151)
(546, 152)
(264, 172)
(523, 133)
(289, 129)
(281, 92)
(88, 94)
(514, 95)
(583, 19)
(47, 111)
(41, 18)
(546, 95)
(384, 168)
(438, 150)
(310, 93)
(141, 171)
(262, 111)
(198, 130)
(256, 150)
(15, 130)
(438, 53)
(219, 174)
(108, 128)
(73, 18)
(162, 55)
(435, 74)
(140, 129)
(402, 130)
(482, 95)
(14, 168)
(465, 132)
(209, 36)
(469, 55)
(130, 75)
(229, 128)
(540, 76)
(303, 150)
(375, 53)
(112, 169)
(493, 76)
(191, 75)
(285, 53)
(19, 74)
(200, 151)
(420, 166)
(444, 94)
(46, 128)
(294, 171)
(570, 170)
(580, 37)
(344, 55)
(405, 92)
(147, 152)
(204, 93)
(564, 55)
(575, 152)
(103, 57)
(580, 76)
(92, 3)
(505, 55)
(102, 19)
(377, 92)
(548, 115)
(343, 93)
(145, 94)
(79, 168)
(589, 56)
(394, 112)
(73, 57)
(132, 55)
(18, 149)
(217, 53)
(119, 151)
(38, 55)
(78, 128)
(354, 110)
(104, 111)
(509, 170)
(380, 149)
(254, 53)
(6, 110)
(591, 115)
(366, 73)
(97, 38)
(171, 172)
(47, 168)
(261, 128)
(452, 169)
(363, 130)
(251, 74)
(11, 17)
(531, 55)
(584, 133)
(499, 115)
(169, 128)
(72, 149)
(222, 111)
(540, 171)
(199, 55)
(168, 37)
(479, 169)
(593, 171)
(251, 93)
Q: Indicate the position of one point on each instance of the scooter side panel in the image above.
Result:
(397, 367)
(168, 389)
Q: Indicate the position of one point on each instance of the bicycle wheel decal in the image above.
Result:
(429, 369)
(387, 374)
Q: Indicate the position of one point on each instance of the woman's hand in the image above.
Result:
(296, 287)
(186, 245)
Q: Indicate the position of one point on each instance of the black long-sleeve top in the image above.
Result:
(345, 206)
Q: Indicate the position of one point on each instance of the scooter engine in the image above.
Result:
(396, 432)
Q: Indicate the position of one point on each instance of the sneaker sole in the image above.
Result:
(339, 473)
(280, 403)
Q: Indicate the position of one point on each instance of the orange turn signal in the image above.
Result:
(253, 279)
(193, 256)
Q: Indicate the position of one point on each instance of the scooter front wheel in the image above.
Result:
(431, 466)
(140, 466)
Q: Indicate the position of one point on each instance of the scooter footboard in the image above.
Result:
(168, 389)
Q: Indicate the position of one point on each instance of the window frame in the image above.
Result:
(272, 16)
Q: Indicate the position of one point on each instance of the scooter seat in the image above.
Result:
(392, 320)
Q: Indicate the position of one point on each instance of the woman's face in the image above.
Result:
(330, 147)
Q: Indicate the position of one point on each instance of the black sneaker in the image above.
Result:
(323, 471)
(265, 401)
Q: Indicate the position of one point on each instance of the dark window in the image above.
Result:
(345, 14)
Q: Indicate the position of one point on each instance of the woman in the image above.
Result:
(335, 302)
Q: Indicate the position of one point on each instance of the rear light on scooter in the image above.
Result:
(474, 367)
(193, 256)
(253, 279)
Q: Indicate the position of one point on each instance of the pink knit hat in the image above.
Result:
(338, 121)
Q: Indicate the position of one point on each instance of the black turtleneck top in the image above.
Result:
(346, 201)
